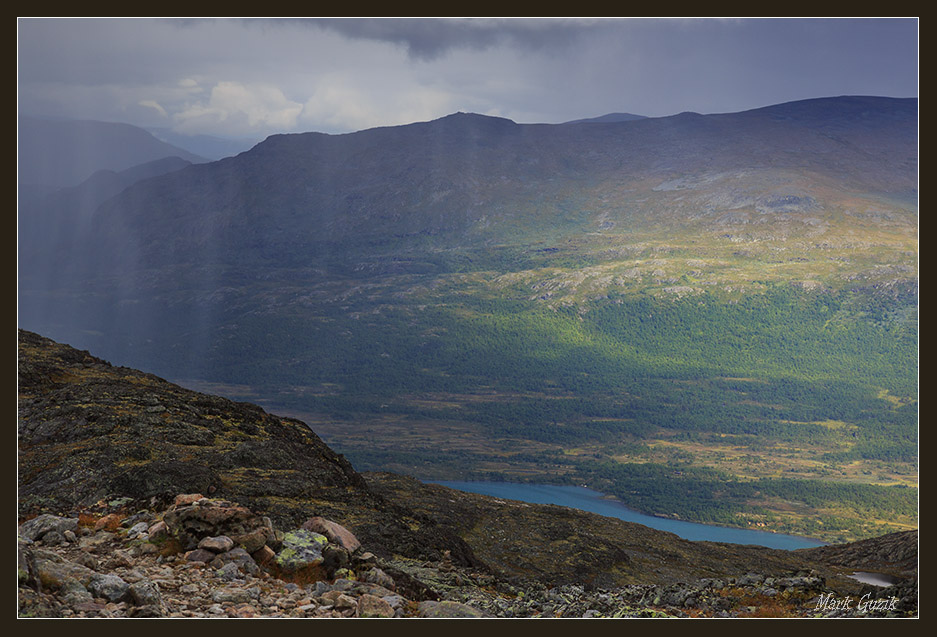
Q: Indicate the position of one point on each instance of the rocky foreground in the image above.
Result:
(205, 557)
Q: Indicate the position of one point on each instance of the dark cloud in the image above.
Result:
(338, 75)
(431, 38)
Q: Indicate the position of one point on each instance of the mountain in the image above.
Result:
(207, 146)
(59, 153)
(93, 438)
(468, 181)
(708, 316)
(610, 117)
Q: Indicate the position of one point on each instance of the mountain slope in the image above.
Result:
(89, 431)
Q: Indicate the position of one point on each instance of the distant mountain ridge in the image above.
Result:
(610, 117)
(459, 176)
(60, 153)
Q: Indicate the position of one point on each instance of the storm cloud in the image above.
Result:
(247, 77)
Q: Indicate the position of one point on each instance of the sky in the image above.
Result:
(250, 78)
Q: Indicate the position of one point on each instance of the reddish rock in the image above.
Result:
(219, 544)
(253, 540)
(263, 555)
(158, 531)
(339, 600)
(199, 555)
(110, 521)
(186, 499)
(371, 606)
(335, 532)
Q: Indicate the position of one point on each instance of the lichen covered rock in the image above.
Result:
(301, 549)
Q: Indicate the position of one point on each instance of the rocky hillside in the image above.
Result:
(89, 431)
(271, 522)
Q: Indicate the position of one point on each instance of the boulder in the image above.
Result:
(371, 606)
(239, 557)
(301, 549)
(50, 571)
(146, 593)
(111, 587)
(39, 526)
(219, 544)
(212, 518)
(335, 532)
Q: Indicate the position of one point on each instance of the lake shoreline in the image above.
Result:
(585, 499)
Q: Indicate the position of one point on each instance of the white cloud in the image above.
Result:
(154, 105)
(338, 105)
(233, 107)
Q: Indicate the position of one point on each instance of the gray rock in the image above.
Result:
(379, 577)
(146, 593)
(37, 527)
(53, 538)
(229, 571)
(51, 571)
(448, 609)
(111, 587)
(238, 557)
(73, 592)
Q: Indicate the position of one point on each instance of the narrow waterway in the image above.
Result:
(594, 502)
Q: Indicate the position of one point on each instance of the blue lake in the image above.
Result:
(594, 502)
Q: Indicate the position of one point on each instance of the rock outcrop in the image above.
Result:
(130, 572)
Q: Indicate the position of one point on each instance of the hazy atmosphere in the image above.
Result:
(253, 77)
(439, 317)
